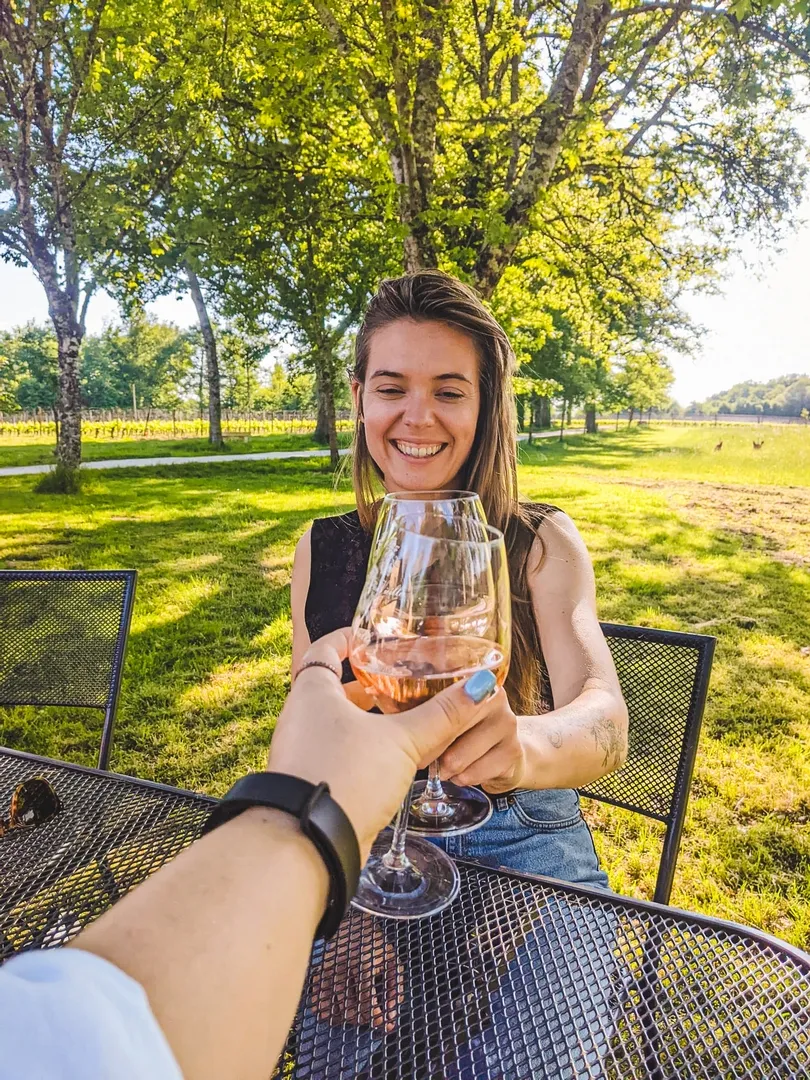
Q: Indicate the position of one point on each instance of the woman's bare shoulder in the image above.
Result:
(557, 544)
(303, 549)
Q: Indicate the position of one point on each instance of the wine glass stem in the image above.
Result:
(433, 787)
(395, 858)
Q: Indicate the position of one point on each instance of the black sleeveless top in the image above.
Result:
(340, 549)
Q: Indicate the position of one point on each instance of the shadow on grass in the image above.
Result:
(606, 452)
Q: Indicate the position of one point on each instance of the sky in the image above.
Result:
(757, 328)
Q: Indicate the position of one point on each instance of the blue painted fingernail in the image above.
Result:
(480, 685)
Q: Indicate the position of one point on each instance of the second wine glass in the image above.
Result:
(434, 610)
(437, 808)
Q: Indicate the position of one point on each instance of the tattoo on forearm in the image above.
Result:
(610, 740)
(555, 737)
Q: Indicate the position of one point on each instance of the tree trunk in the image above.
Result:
(321, 434)
(211, 359)
(68, 405)
(520, 406)
(200, 388)
(555, 116)
(407, 116)
(590, 420)
(630, 417)
(325, 387)
(334, 456)
(545, 413)
(562, 419)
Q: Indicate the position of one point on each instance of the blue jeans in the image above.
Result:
(534, 832)
(538, 832)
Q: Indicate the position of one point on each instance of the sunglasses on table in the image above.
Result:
(33, 802)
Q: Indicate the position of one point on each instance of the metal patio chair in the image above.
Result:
(664, 677)
(62, 639)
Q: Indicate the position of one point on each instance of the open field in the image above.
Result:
(686, 453)
(681, 537)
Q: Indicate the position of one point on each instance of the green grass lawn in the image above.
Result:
(37, 452)
(686, 453)
(681, 537)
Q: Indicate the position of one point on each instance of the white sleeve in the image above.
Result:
(66, 1014)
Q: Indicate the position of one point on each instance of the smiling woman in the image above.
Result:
(419, 403)
(435, 411)
(432, 387)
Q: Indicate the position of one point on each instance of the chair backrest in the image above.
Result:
(664, 677)
(62, 639)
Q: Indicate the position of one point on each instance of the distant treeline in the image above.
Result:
(787, 395)
(154, 362)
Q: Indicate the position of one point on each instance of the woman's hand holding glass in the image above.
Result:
(491, 754)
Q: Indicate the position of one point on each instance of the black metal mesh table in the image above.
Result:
(520, 978)
(112, 834)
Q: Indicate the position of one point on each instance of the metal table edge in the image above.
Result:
(89, 770)
(709, 922)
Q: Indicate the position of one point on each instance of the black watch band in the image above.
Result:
(322, 821)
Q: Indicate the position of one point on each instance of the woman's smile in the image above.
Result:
(418, 450)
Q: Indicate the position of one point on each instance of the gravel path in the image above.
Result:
(270, 455)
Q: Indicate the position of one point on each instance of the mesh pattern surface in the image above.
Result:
(519, 979)
(62, 636)
(658, 679)
(111, 834)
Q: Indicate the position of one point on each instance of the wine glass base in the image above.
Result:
(469, 808)
(428, 886)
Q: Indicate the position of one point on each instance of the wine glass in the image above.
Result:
(433, 611)
(438, 809)
(456, 508)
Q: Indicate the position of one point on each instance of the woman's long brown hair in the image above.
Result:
(490, 469)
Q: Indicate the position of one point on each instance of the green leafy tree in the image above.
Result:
(8, 381)
(75, 91)
(155, 119)
(485, 109)
(286, 390)
(785, 395)
(242, 353)
(591, 289)
(153, 357)
(302, 231)
(50, 56)
(30, 357)
(642, 383)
